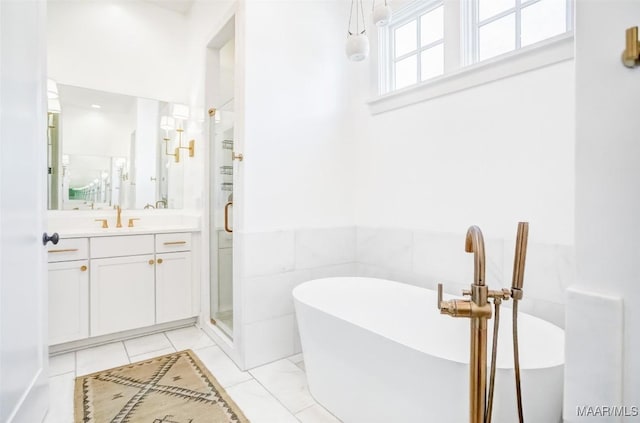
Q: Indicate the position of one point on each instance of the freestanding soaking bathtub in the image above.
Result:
(379, 351)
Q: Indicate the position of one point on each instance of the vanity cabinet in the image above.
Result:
(68, 290)
(109, 284)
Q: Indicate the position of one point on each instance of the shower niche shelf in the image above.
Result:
(227, 144)
(226, 186)
(226, 170)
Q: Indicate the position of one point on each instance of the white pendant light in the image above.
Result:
(381, 14)
(357, 47)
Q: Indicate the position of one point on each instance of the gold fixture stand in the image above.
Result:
(631, 54)
(478, 310)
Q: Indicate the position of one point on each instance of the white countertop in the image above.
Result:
(82, 224)
(95, 232)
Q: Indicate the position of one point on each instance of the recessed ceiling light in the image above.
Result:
(96, 106)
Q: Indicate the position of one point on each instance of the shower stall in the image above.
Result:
(221, 140)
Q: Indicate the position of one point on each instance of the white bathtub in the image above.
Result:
(379, 351)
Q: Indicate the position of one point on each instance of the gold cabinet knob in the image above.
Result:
(160, 261)
(83, 268)
(151, 261)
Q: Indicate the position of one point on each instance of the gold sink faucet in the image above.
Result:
(119, 218)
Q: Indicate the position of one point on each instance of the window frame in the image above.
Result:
(386, 40)
(460, 72)
(416, 15)
(471, 25)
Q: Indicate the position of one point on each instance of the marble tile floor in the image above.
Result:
(274, 393)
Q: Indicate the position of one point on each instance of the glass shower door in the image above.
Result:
(221, 217)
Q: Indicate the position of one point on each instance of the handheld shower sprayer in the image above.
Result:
(516, 294)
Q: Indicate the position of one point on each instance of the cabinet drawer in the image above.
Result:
(119, 246)
(68, 249)
(166, 243)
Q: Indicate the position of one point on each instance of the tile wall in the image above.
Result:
(273, 263)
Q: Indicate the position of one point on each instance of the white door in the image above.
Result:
(23, 348)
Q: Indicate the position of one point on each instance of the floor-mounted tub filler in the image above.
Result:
(380, 351)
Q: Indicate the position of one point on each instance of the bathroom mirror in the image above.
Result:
(106, 150)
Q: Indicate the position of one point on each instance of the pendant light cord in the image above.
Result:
(364, 24)
(361, 12)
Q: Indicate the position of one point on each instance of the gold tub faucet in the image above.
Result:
(478, 310)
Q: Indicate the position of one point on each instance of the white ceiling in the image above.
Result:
(180, 6)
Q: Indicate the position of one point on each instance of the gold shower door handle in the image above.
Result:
(226, 217)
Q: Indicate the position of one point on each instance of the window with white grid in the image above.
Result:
(417, 46)
(496, 27)
(428, 39)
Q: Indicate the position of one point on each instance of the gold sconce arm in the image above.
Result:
(631, 54)
(191, 148)
(176, 153)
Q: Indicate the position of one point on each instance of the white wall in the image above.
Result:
(603, 354)
(491, 156)
(131, 47)
(299, 149)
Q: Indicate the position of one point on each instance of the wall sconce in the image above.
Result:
(631, 54)
(180, 113)
(357, 47)
(192, 143)
(167, 123)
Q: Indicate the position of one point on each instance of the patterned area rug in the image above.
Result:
(175, 388)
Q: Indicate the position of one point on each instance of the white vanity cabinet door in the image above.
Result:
(174, 287)
(122, 293)
(68, 301)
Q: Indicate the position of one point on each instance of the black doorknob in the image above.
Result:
(53, 238)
